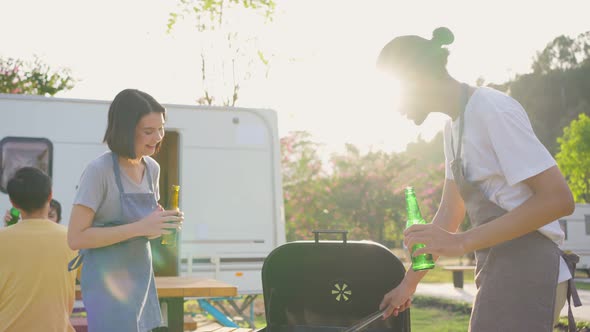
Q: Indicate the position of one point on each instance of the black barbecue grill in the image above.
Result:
(318, 285)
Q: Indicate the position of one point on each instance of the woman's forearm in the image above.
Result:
(97, 237)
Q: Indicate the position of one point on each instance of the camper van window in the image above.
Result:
(17, 152)
(563, 224)
(587, 219)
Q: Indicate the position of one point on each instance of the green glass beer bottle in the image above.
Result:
(424, 261)
(15, 215)
(170, 239)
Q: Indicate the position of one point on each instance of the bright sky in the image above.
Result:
(331, 89)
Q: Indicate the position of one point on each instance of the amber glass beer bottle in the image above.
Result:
(170, 239)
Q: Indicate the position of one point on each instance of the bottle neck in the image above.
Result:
(413, 209)
(173, 204)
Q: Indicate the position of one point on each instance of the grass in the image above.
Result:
(582, 285)
(260, 321)
(453, 316)
(421, 301)
(431, 314)
(580, 326)
(437, 320)
(430, 319)
(439, 275)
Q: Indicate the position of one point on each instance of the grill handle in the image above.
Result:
(316, 234)
(360, 326)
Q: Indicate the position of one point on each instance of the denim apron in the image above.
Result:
(517, 279)
(117, 281)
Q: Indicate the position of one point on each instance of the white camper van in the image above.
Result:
(577, 235)
(226, 161)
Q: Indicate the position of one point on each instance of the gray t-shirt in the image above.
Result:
(98, 187)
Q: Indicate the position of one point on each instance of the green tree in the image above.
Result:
(574, 157)
(563, 53)
(426, 153)
(211, 14)
(33, 77)
(229, 56)
(303, 188)
(300, 161)
(359, 192)
(557, 89)
(366, 194)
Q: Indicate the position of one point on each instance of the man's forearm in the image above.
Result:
(536, 212)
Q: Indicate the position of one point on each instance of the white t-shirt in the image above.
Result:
(499, 151)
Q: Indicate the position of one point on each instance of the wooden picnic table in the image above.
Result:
(173, 290)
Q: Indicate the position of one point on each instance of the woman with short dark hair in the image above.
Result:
(114, 215)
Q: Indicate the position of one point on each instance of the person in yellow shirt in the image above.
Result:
(37, 291)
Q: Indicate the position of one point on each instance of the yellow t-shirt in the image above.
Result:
(37, 291)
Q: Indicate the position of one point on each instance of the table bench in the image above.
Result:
(458, 273)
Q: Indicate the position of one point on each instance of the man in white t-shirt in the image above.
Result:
(503, 178)
(500, 151)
